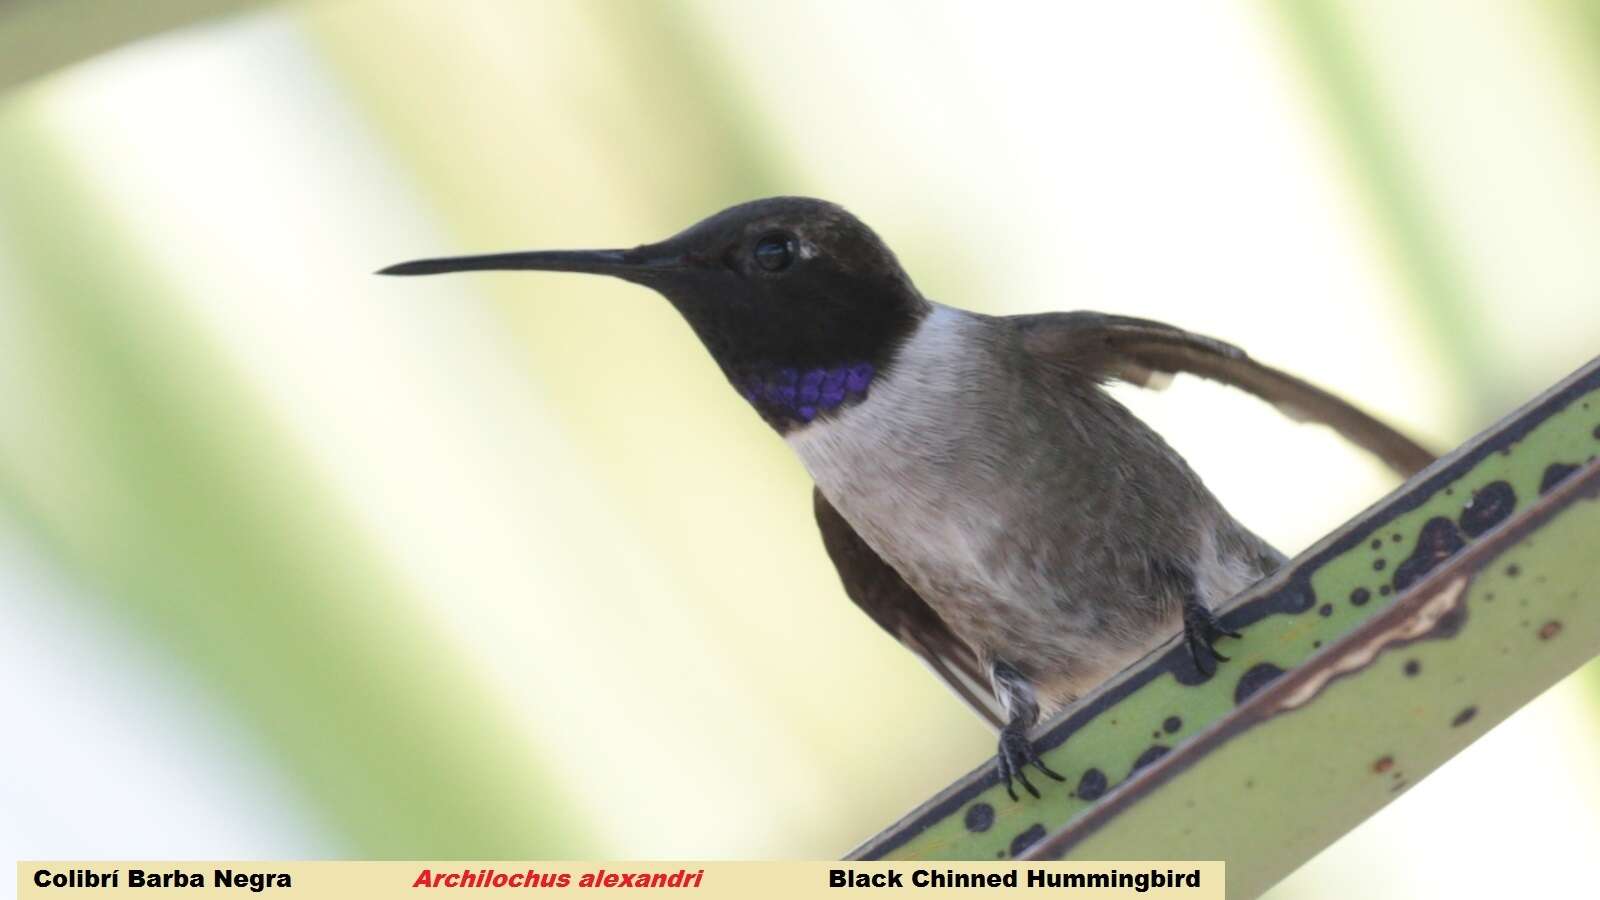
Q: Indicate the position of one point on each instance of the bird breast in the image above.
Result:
(920, 466)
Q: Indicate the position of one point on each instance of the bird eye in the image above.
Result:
(774, 252)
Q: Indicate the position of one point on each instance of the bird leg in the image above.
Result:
(1016, 749)
(1201, 630)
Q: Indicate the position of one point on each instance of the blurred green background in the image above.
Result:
(299, 562)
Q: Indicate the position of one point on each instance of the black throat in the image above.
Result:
(813, 356)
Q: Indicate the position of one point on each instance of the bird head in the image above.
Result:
(799, 302)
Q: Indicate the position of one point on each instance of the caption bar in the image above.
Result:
(704, 880)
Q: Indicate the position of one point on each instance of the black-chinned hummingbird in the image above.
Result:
(983, 497)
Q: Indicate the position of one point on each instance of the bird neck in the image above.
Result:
(801, 370)
(790, 396)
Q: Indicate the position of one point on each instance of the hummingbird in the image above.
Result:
(985, 499)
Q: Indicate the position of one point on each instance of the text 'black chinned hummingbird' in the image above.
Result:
(985, 500)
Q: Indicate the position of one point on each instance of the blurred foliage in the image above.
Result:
(1358, 119)
(40, 36)
(170, 490)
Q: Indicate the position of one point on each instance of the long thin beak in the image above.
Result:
(621, 263)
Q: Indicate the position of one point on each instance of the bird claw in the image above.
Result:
(1201, 630)
(1016, 754)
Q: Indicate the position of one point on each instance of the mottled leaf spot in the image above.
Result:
(1437, 542)
(1463, 717)
(1150, 755)
(980, 818)
(1027, 839)
(1450, 623)
(1553, 475)
(1488, 507)
(1293, 599)
(1092, 785)
(1257, 677)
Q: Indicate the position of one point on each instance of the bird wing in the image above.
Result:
(880, 592)
(1146, 353)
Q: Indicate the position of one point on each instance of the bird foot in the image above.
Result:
(1201, 631)
(1016, 754)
